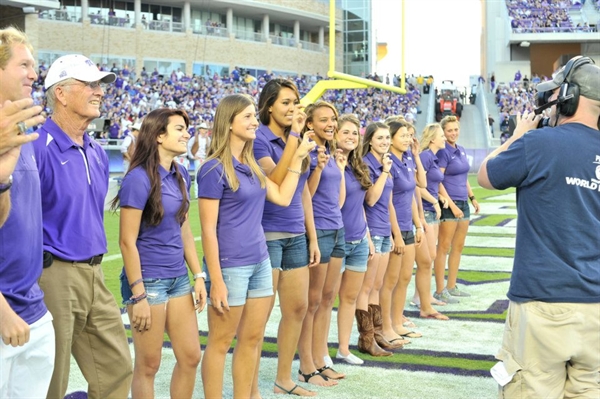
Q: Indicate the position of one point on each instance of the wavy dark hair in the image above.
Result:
(360, 170)
(146, 155)
(268, 96)
(370, 131)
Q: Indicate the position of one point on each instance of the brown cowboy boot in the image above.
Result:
(366, 340)
(375, 312)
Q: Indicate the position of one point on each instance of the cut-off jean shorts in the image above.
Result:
(288, 253)
(158, 290)
(448, 216)
(383, 245)
(332, 244)
(430, 217)
(357, 256)
(243, 282)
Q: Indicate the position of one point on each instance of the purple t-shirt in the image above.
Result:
(378, 215)
(160, 247)
(239, 231)
(326, 200)
(355, 225)
(434, 177)
(278, 218)
(403, 174)
(457, 170)
(74, 181)
(21, 242)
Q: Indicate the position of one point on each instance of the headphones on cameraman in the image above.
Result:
(568, 93)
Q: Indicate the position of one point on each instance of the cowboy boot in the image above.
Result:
(366, 340)
(375, 312)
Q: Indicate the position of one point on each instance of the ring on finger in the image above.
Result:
(22, 127)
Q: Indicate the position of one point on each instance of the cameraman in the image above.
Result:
(551, 346)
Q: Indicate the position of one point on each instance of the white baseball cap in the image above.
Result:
(78, 67)
(203, 126)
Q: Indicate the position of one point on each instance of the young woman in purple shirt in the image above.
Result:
(231, 199)
(327, 187)
(399, 271)
(378, 204)
(156, 242)
(454, 224)
(359, 248)
(429, 210)
(290, 232)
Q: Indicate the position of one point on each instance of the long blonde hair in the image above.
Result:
(429, 134)
(229, 107)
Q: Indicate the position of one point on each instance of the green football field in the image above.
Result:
(453, 358)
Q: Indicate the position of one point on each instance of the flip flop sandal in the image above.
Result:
(322, 369)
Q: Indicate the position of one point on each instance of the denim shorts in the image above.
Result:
(357, 256)
(288, 253)
(250, 281)
(447, 214)
(332, 244)
(159, 290)
(383, 245)
(408, 237)
(430, 217)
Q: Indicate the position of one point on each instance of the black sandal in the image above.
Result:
(325, 368)
(311, 375)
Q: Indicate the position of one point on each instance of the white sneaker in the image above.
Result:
(328, 361)
(350, 359)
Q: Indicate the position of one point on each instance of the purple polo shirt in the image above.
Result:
(326, 200)
(355, 225)
(434, 177)
(160, 247)
(239, 231)
(21, 242)
(457, 170)
(378, 215)
(278, 218)
(74, 181)
(403, 175)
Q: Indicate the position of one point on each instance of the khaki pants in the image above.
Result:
(87, 323)
(553, 349)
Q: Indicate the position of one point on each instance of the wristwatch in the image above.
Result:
(472, 197)
(4, 187)
(200, 275)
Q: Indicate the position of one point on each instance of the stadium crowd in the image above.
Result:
(543, 16)
(134, 95)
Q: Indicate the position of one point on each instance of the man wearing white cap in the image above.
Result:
(551, 345)
(128, 145)
(197, 150)
(73, 171)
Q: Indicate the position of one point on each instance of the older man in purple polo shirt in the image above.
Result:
(74, 180)
(27, 344)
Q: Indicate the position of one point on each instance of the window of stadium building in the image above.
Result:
(209, 70)
(163, 67)
(48, 57)
(208, 23)
(108, 62)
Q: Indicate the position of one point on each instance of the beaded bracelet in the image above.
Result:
(136, 282)
(138, 298)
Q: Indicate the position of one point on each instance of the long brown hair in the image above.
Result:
(146, 155)
(269, 95)
(310, 114)
(370, 131)
(360, 170)
(229, 107)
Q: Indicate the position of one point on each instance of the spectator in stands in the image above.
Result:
(517, 76)
(454, 222)
(378, 199)
(157, 242)
(128, 145)
(290, 232)
(491, 124)
(74, 238)
(492, 82)
(26, 332)
(232, 193)
(359, 247)
(327, 187)
(198, 149)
